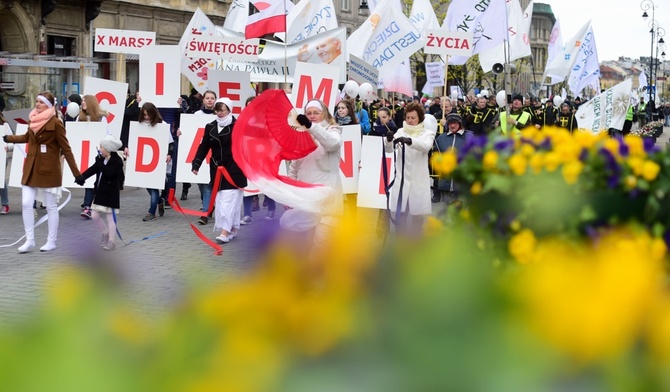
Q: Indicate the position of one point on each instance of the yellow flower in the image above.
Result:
(517, 164)
(571, 171)
(635, 145)
(522, 246)
(465, 214)
(551, 161)
(444, 163)
(515, 225)
(527, 150)
(476, 188)
(650, 170)
(585, 139)
(490, 160)
(536, 162)
(631, 182)
(612, 145)
(432, 226)
(636, 164)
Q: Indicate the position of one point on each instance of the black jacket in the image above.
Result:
(222, 155)
(108, 180)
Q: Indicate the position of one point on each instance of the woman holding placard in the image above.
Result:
(90, 111)
(42, 175)
(149, 115)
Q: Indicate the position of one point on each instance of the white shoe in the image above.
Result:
(223, 238)
(27, 247)
(232, 235)
(246, 220)
(48, 247)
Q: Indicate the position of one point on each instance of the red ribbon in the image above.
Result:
(218, 251)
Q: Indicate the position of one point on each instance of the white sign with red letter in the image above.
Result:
(217, 47)
(192, 130)
(15, 117)
(371, 181)
(112, 97)
(148, 148)
(452, 43)
(18, 157)
(231, 84)
(314, 81)
(350, 157)
(84, 139)
(123, 41)
(160, 75)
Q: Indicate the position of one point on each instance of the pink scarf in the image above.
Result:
(39, 120)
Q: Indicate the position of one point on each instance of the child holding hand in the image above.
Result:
(108, 171)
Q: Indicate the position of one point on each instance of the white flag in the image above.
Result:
(642, 81)
(423, 16)
(308, 18)
(372, 4)
(607, 110)
(196, 69)
(238, 13)
(554, 48)
(386, 38)
(482, 19)
(586, 69)
(519, 39)
(561, 65)
(397, 79)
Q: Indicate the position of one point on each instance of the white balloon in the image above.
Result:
(501, 98)
(430, 122)
(558, 100)
(366, 92)
(72, 109)
(351, 88)
(485, 93)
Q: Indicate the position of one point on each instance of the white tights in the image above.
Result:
(110, 228)
(28, 195)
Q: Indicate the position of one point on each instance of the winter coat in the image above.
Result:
(222, 155)
(380, 129)
(42, 167)
(416, 186)
(322, 166)
(108, 180)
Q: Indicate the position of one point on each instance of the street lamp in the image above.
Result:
(656, 31)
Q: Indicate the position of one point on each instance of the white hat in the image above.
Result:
(226, 101)
(110, 143)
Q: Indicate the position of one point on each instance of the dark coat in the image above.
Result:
(222, 155)
(42, 169)
(108, 180)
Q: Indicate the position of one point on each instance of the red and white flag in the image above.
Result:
(271, 18)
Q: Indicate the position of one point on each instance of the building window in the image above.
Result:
(345, 5)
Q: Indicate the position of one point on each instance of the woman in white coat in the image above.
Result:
(321, 166)
(412, 177)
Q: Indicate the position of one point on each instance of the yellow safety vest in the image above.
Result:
(523, 118)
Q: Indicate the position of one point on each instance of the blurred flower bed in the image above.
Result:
(650, 129)
(553, 277)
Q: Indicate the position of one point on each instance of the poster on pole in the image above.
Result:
(450, 43)
(362, 72)
(123, 41)
(160, 75)
(84, 139)
(350, 157)
(371, 181)
(314, 81)
(192, 131)
(225, 48)
(148, 146)
(112, 98)
(234, 85)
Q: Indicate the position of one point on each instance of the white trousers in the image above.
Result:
(228, 204)
(28, 195)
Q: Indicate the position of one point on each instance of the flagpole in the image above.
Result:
(285, 48)
(444, 89)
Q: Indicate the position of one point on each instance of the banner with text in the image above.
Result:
(160, 76)
(350, 157)
(123, 41)
(362, 72)
(606, 110)
(277, 59)
(314, 82)
(371, 181)
(451, 43)
(112, 97)
(146, 165)
(308, 18)
(225, 48)
(196, 68)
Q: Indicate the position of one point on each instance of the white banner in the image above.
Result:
(435, 74)
(484, 19)
(275, 61)
(148, 146)
(233, 85)
(385, 39)
(423, 16)
(195, 69)
(225, 48)
(606, 110)
(314, 82)
(452, 43)
(519, 37)
(561, 65)
(3, 154)
(18, 157)
(586, 69)
(112, 97)
(371, 182)
(192, 130)
(84, 139)
(308, 18)
(238, 14)
(554, 48)
(350, 157)
(159, 75)
(362, 72)
(123, 41)
(15, 117)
